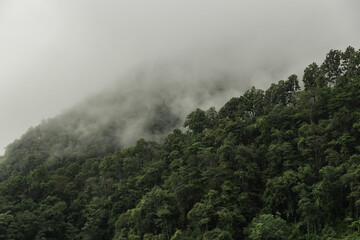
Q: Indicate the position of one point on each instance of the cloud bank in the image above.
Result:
(55, 53)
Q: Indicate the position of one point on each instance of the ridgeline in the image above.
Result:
(277, 164)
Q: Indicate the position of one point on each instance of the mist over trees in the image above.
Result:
(281, 163)
(149, 104)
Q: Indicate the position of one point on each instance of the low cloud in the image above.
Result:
(56, 53)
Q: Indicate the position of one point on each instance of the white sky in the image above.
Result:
(54, 53)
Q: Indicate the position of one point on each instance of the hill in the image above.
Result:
(276, 164)
(149, 103)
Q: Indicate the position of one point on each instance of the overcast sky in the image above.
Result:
(54, 53)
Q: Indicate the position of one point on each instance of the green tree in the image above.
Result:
(268, 227)
(196, 121)
(311, 73)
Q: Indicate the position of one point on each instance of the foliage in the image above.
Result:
(275, 164)
(269, 227)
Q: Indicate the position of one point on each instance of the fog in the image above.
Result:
(54, 54)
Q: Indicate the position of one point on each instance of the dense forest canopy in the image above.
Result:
(283, 163)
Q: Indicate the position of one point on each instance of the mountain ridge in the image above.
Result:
(281, 163)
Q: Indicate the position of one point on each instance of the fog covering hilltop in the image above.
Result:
(56, 53)
(281, 163)
(148, 103)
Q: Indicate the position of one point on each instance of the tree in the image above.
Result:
(291, 87)
(268, 227)
(332, 66)
(96, 216)
(311, 73)
(196, 121)
(252, 103)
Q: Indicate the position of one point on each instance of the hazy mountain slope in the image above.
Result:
(276, 164)
(148, 103)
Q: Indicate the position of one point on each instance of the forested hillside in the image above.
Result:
(283, 163)
(148, 103)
